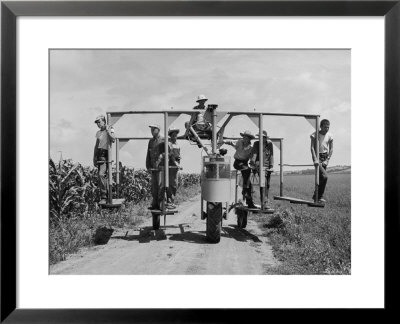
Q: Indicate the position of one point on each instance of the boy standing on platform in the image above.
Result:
(104, 137)
(268, 159)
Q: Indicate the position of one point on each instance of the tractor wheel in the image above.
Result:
(156, 221)
(241, 218)
(214, 217)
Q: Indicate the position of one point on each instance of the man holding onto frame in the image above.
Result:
(268, 159)
(242, 155)
(104, 137)
(325, 152)
(151, 164)
(174, 159)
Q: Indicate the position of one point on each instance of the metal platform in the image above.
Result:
(300, 201)
(167, 212)
(116, 203)
(257, 210)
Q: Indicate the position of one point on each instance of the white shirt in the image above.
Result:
(102, 136)
(324, 141)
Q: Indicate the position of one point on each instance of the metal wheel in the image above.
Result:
(241, 218)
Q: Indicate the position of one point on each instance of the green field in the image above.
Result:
(311, 240)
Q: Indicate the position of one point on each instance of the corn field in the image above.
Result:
(73, 210)
(73, 188)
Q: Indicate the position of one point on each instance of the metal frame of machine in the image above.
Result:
(171, 115)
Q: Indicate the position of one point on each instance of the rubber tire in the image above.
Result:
(241, 218)
(156, 221)
(214, 217)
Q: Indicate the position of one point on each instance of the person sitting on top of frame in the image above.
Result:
(201, 121)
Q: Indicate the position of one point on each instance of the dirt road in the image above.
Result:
(179, 248)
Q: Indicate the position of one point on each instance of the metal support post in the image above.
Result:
(109, 168)
(166, 170)
(214, 130)
(236, 186)
(261, 161)
(281, 168)
(117, 170)
(317, 156)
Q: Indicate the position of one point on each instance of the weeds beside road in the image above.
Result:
(74, 214)
(311, 240)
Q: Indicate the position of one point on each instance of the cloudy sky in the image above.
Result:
(86, 83)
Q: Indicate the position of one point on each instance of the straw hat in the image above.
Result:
(201, 97)
(248, 134)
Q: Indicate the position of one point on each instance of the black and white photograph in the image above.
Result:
(246, 188)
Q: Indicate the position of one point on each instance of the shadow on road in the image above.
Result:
(240, 234)
(147, 234)
(190, 237)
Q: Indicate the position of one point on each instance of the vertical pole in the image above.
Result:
(261, 161)
(317, 156)
(281, 168)
(117, 171)
(109, 169)
(214, 130)
(166, 170)
(201, 207)
(236, 186)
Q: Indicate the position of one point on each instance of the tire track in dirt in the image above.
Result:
(179, 248)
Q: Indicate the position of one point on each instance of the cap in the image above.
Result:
(100, 117)
(264, 134)
(154, 126)
(173, 130)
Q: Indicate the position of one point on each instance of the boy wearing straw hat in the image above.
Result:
(268, 159)
(242, 155)
(174, 159)
(200, 121)
(151, 164)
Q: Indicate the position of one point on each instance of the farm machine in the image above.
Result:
(217, 177)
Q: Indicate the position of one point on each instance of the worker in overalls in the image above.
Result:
(104, 137)
(268, 159)
(242, 155)
(174, 159)
(151, 164)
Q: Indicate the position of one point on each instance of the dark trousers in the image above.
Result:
(323, 175)
(102, 168)
(156, 193)
(242, 166)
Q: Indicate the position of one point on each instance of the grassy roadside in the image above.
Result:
(76, 231)
(311, 240)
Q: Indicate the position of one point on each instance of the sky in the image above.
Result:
(86, 83)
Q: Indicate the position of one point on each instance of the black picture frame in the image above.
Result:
(10, 10)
